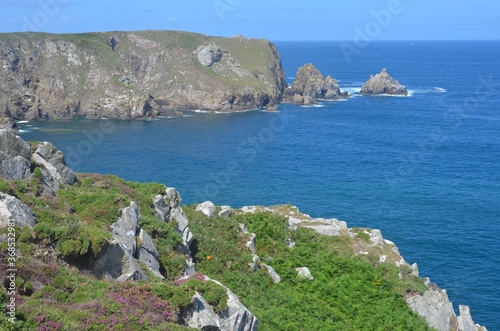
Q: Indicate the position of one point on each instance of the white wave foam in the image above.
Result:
(22, 122)
(351, 90)
(427, 90)
(319, 105)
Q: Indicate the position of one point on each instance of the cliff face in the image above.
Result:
(134, 74)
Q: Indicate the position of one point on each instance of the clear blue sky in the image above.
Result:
(274, 20)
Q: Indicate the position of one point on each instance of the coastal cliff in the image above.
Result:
(93, 250)
(134, 74)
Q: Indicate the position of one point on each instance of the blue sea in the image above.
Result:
(425, 169)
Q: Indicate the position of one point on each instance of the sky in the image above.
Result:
(274, 20)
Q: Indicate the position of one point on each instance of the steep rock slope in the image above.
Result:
(134, 74)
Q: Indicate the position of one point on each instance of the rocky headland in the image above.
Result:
(310, 85)
(383, 83)
(81, 233)
(134, 74)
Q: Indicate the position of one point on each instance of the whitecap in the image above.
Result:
(352, 89)
(313, 106)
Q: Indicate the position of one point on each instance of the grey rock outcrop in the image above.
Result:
(208, 208)
(12, 210)
(383, 83)
(15, 157)
(16, 161)
(200, 315)
(168, 208)
(7, 124)
(118, 261)
(209, 54)
(147, 253)
(274, 276)
(134, 74)
(435, 307)
(236, 317)
(310, 85)
(465, 322)
(225, 211)
(304, 273)
(53, 166)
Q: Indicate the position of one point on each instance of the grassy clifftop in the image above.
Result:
(57, 291)
(134, 74)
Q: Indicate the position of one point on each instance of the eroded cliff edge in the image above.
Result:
(134, 74)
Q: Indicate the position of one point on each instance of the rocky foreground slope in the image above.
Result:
(93, 251)
(134, 74)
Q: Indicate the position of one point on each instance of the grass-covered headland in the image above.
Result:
(57, 291)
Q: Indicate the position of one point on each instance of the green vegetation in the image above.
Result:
(58, 292)
(346, 294)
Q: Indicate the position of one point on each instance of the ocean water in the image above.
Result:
(425, 169)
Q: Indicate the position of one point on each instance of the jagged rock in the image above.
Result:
(254, 265)
(118, 262)
(201, 316)
(304, 273)
(435, 308)
(7, 124)
(168, 208)
(12, 210)
(209, 54)
(383, 83)
(14, 157)
(236, 316)
(147, 253)
(464, 321)
(270, 270)
(310, 85)
(414, 270)
(207, 208)
(252, 242)
(162, 208)
(226, 211)
(51, 161)
(242, 228)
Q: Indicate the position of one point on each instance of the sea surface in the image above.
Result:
(425, 169)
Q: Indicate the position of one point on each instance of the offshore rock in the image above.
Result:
(383, 83)
(12, 210)
(310, 85)
(134, 74)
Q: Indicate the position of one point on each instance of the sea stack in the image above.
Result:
(383, 83)
(310, 85)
